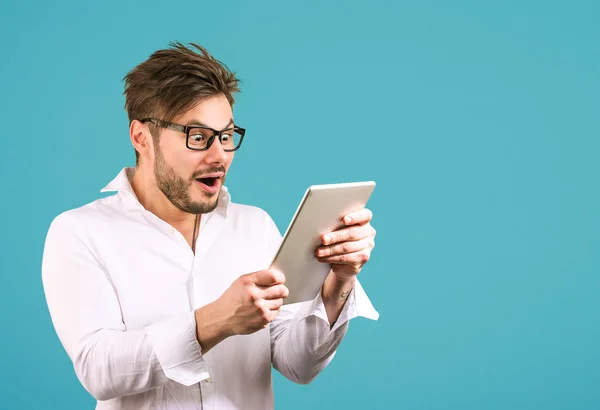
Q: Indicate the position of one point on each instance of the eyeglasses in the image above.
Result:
(200, 138)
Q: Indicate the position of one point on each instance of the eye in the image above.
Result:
(197, 136)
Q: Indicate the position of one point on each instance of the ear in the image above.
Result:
(141, 139)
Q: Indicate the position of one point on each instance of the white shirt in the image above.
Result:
(122, 285)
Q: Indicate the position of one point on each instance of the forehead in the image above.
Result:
(214, 112)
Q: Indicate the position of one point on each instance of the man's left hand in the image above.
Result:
(348, 248)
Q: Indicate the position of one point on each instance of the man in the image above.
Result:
(159, 294)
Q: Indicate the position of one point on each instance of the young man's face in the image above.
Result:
(191, 180)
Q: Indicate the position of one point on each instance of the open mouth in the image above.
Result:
(210, 181)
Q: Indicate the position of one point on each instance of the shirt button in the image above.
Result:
(208, 380)
(171, 231)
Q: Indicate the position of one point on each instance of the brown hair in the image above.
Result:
(173, 80)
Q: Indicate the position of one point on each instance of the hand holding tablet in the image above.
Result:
(320, 211)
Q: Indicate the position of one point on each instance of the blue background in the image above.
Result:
(479, 123)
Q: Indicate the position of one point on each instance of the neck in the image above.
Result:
(153, 200)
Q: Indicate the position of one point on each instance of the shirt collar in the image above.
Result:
(122, 184)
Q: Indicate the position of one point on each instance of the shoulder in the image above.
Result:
(77, 220)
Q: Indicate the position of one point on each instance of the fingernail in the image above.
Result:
(327, 239)
(348, 220)
(321, 252)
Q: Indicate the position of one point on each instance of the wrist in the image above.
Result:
(342, 281)
(211, 327)
(342, 278)
(218, 309)
(335, 292)
(337, 289)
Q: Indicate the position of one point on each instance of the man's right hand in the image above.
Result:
(253, 301)
(248, 305)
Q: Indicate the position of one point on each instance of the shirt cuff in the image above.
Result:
(358, 304)
(177, 349)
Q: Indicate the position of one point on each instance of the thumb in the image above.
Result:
(268, 277)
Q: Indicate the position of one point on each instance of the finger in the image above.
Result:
(273, 304)
(346, 247)
(352, 233)
(361, 216)
(354, 258)
(275, 292)
(268, 315)
(268, 277)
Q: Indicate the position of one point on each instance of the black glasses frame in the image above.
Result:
(187, 128)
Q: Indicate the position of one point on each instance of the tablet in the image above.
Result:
(320, 211)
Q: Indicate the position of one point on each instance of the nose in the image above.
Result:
(215, 152)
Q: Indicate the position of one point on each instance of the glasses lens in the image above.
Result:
(230, 139)
(199, 137)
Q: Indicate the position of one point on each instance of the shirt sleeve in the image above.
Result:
(108, 360)
(303, 342)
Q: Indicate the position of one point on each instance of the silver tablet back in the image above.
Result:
(320, 211)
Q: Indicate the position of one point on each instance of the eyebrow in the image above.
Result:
(201, 124)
